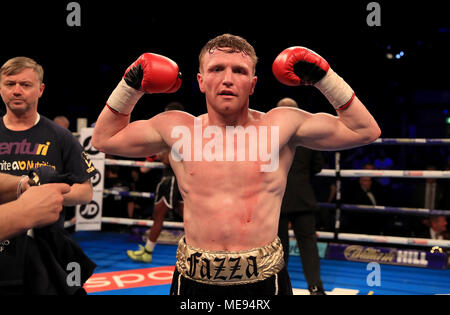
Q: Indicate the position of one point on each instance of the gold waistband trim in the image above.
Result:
(229, 268)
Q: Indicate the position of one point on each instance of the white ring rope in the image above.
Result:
(401, 210)
(362, 208)
(149, 223)
(324, 173)
(386, 173)
(129, 193)
(419, 141)
(320, 234)
(131, 163)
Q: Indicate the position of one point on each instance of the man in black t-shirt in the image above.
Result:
(28, 141)
(47, 144)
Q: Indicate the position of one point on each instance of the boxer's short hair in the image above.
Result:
(231, 44)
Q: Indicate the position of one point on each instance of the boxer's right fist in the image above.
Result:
(150, 73)
(153, 73)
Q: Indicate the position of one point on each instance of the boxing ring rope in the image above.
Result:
(135, 163)
(339, 174)
(129, 193)
(324, 173)
(411, 141)
(398, 210)
(360, 208)
(321, 235)
(385, 173)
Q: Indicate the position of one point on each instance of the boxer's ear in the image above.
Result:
(200, 82)
(254, 79)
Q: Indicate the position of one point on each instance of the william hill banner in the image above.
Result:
(383, 255)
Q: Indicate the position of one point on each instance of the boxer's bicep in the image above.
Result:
(114, 134)
(139, 139)
(325, 132)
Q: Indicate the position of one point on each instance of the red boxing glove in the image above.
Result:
(299, 66)
(150, 73)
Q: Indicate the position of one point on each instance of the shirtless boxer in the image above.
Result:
(231, 204)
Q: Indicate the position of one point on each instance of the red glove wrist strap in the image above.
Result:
(115, 111)
(347, 105)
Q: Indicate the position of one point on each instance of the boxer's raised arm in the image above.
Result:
(113, 132)
(115, 135)
(353, 126)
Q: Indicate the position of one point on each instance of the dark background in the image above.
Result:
(409, 97)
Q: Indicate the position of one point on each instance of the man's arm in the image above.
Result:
(36, 207)
(11, 222)
(79, 194)
(113, 132)
(8, 187)
(353, 126)
(350, 128)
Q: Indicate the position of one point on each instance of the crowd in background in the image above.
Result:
(422, 193)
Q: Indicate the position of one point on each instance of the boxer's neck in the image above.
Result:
(239, 118)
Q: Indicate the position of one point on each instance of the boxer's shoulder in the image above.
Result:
(174, 118)
(203, 116)
(280, 115)
(256, 115)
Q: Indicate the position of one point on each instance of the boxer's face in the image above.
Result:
(227, 79)
(21, 91)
